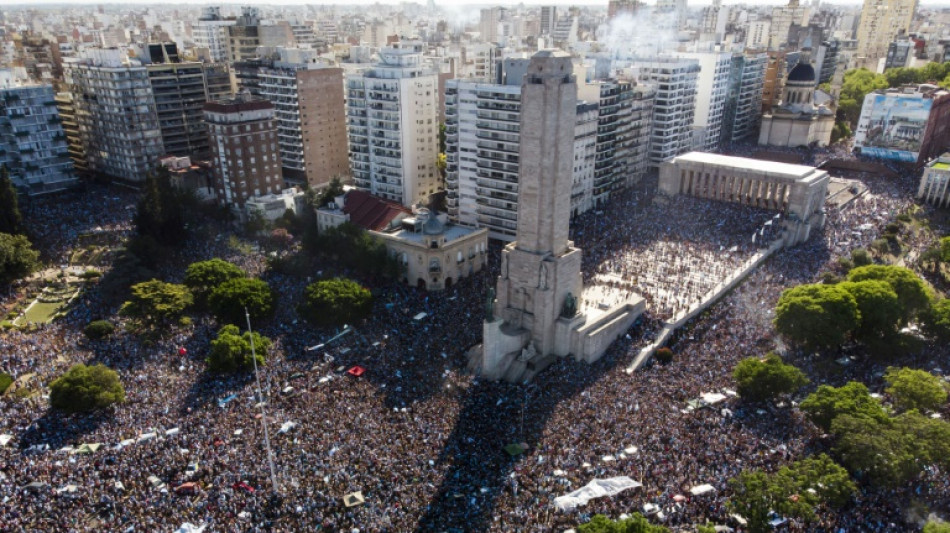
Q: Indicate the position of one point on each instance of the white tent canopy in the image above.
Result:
(597, 488)
(4, 439)
(702, 489)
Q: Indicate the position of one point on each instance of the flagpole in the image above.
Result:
(260, 401)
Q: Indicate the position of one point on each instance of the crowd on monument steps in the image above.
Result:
(420, 438)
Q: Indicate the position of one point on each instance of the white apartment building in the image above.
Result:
(211, 31)
(757, 34)
(881, 22)
(585, 158)
(612, 135)
(482, 122)
(115, 113)
(712, 87)
(782, 19)
(675, 81)
(934, 182)
(32, 144)
(393, 126)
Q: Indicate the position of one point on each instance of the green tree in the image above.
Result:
(856, 85)
(816, 315)
(155, 303)
(336, 301)
(636, 523)
(945, 249)
(231, 351)
(936, 320)
(860, 257)
(912, 294)
(229, 300)
(794, 491)
(334, 189)
(203, 277)
(357, 249)
(98, 329)
(761, 379)
(875, 449)
(10, 217)
(86, 388)
(934, 526)
(17, 258)
(878, 306)
(915, 389)
(827, 403)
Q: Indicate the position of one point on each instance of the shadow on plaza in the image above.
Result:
(57, 429)
(480, 475)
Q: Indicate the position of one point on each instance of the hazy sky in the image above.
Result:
(8, 3)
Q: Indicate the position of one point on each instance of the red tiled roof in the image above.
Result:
(370, 212)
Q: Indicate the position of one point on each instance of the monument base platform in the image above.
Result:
(506, 352)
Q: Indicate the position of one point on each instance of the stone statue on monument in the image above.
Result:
(490, 305)
(570, 306)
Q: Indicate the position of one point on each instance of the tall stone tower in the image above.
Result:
(541, 267)
(535, 317)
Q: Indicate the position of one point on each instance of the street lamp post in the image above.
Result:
(260, 398)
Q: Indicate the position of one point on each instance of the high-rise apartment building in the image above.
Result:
(881, 22)
(757, 34)
(307, 94)
(248, 33)
(32, 144)
(744, 100)
(674, 106)
(712, 88)
(392, 121)
(548, 19)
(246, 160)
(67, 113)
(180, 89)
(585, 169)
(210, 31)
(619, 7)
(489, 23)
(826, 60)
(115, 113)
(783, 18)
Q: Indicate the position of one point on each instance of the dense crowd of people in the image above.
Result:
(421, 439)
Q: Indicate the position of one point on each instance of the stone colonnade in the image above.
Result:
(711, 184)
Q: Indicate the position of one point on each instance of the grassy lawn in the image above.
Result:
(40, 312)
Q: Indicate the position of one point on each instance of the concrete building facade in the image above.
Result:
(744, 100)
(674, 105)
(33, 146)
(210, 32)
(115, 113)
(712, 90)
(307, 94)
(934, 182)
(796, 190)
(246, 158)
(392, 121)
(801, 119)
(881, 21)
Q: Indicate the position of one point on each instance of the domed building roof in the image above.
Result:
(803, 72)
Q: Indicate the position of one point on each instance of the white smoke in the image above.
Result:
(643, 34)
(459, 17)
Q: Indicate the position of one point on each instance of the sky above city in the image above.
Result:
(443, 3)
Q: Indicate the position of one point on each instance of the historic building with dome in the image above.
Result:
(805, 115)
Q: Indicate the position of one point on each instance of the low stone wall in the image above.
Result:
(712, 297)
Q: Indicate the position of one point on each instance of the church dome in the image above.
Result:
(803, 72)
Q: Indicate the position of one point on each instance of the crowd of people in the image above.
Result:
(422, 440)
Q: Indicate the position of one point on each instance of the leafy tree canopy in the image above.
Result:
(359, 250)
(636, 523)
(10, 217)
(816, 315)
(205, 276)
(945, 249)
(828, 403)
(86, 388)
(99, 329)
(231, 351)
(229, 300)
(161, 211)
(934, 526)
(878, 306)
(17, 258)
(794, 491)
(915, 389)
(761, 379)
(912, 294)
(336, 301)
(937, 320)
(155, 302)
